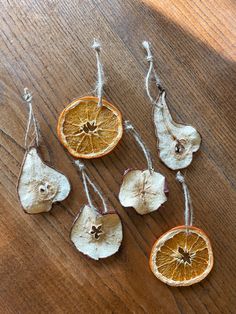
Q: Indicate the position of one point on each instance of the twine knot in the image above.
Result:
(96, 45)
(180, 177)
(146, 45)
(149, 58)
(80, 165)
(27, 95)
(128, 125)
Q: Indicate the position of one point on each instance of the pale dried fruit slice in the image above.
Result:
(181, 258)
(88, 130)
(143, 190)
(96, 235)
(40, 185)
(176, 142)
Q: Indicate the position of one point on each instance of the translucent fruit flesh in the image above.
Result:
(89, 131)
(181, 258)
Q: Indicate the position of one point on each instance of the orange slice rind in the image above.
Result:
(87, 130)
(181, 258)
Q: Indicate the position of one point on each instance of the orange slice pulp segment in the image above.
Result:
(181, 257)
(87, 130)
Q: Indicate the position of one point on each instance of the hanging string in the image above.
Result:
(86, 179)
(151, 71)
(129, 127)
(100, 74)
(188, 212)
(81, 167)
(27, 96)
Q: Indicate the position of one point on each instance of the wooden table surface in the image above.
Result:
(46, 46)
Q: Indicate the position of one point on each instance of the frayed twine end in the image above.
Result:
(27, 96)
(96, 45)
(146, 45)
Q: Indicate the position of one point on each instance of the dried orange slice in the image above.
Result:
(87, 130)
(181, 258)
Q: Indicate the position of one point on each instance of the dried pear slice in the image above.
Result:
(39, 186)
(176, 142)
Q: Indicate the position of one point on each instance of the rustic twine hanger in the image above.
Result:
(86, 180)
(27, 96)
(151, 71)
(100, 74)
(130, 128)
(188, 211)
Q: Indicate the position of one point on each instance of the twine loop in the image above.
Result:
(188, 210)
(27, 96)
(150, 58)
(151, 71)
(100, 74)
(130, 128)
(86, 179)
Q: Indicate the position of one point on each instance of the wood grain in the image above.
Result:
(45, 45)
